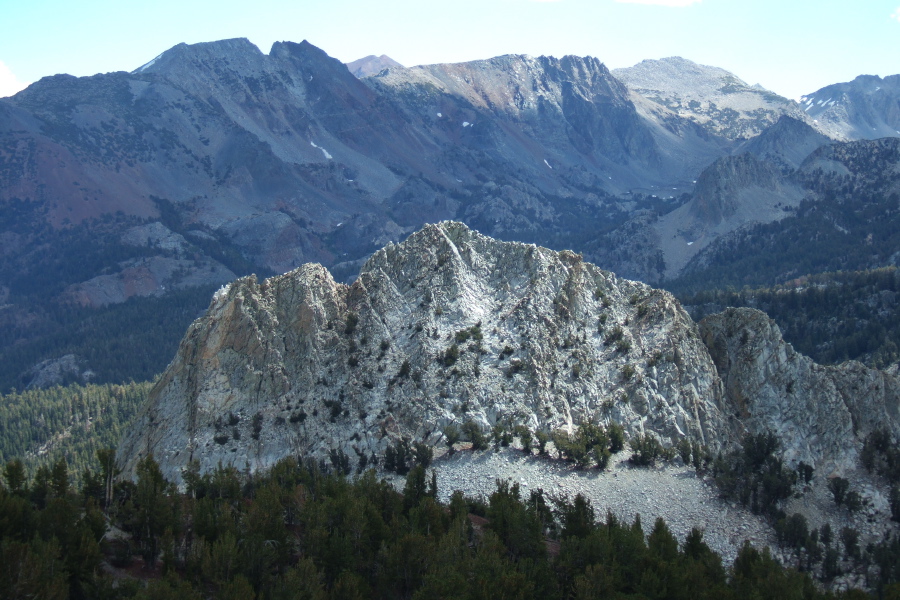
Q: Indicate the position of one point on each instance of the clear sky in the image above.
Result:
(792, 47)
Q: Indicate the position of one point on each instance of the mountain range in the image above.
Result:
(216, 160)
(393, 258)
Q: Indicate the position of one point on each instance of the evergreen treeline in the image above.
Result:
(830, 317)
(130, 341)
(41, 426)
(851, 229)
(848, 222)
(299, 532)
(134, 340)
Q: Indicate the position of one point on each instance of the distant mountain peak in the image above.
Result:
(371, 65)
(866, 108)
(229, 48)
(712, 97)
(786, 143)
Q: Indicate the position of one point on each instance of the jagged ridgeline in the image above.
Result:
(451, 327)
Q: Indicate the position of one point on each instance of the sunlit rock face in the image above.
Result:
(452, 326)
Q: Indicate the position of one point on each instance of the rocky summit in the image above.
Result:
(714, 98)
(451, 327)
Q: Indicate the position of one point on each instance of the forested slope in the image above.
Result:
(41, 426)
(302, 533)
(830, 317)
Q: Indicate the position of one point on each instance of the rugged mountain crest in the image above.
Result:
(562, 104)
(866, 108)
(451, 326)
(447, 327)
(786, 143)
(286, 157)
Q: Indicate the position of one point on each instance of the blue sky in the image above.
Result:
(792, 47)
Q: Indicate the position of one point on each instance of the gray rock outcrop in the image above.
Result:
(451, 326)
(57, 371)
(819, 412)
(447, 327)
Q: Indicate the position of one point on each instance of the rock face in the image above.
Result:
(60, 371)
(143, 277)
(732, 193)
(820, 413)
(786, 143)
(451, 326)
(572, 102)
(721, 189)
(866, 108)
(447, 327)
(179, 267)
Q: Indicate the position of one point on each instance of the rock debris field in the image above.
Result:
(675, 493)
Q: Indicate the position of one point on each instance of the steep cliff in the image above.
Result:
(819, 412)
(447, 327)
(451, 326)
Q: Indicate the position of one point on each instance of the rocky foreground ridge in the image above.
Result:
(451, 326)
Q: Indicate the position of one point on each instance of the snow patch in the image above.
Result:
(690, 243)
(466, 124)
(148, 65)
(546, 163)
(324, 151)
(440, 115)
